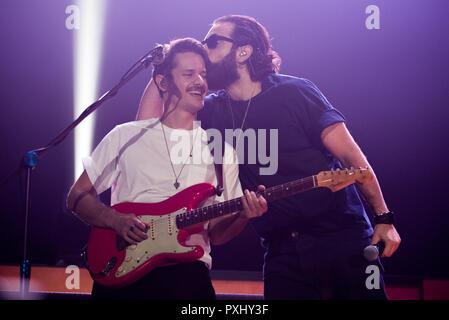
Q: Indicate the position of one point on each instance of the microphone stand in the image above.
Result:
(32, 157)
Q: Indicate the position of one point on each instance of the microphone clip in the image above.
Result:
(155, 56)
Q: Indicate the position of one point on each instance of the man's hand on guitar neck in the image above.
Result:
(253, 205)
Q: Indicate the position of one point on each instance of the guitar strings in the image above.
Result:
(203, 211)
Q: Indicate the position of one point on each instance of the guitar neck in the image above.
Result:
(223, 208)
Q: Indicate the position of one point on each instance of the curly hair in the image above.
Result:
(248, 30)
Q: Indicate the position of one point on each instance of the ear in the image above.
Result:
(162, 83)
(244, 53)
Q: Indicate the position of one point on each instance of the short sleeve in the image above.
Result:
(317, 110)
(232, 186)
(102, 165)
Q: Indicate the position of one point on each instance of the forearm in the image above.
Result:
(151, 105)
(87, 207)
(370, 190)
(373, 195)
(337, 139)
(224, 229)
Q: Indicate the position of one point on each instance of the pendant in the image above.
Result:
(176, 184)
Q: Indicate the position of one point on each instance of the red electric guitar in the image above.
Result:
(114, 262)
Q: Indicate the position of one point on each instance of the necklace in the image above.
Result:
(244, 117)
(176, 184)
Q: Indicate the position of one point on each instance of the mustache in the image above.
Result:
(200, 88)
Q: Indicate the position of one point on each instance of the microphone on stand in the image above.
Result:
(155, 56)
(374, 251)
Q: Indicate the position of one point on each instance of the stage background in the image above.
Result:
(391, 84)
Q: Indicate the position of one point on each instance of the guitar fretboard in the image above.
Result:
(223, 208)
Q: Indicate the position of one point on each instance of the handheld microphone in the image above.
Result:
(373, 251)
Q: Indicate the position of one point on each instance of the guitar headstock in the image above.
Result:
(339, 179)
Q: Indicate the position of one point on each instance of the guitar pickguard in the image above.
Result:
(162, 238)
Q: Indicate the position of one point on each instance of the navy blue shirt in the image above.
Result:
(299, 112)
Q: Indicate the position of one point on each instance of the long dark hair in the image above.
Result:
(248, 30)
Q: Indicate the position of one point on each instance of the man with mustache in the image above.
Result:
(313, 240)
(136, 160)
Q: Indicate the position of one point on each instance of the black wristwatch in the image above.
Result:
(384, 218)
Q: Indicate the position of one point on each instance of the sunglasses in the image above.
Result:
(212, 41)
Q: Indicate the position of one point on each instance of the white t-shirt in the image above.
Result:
(132, 160)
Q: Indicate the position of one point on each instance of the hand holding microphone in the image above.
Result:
(373, 251)
(385, 242)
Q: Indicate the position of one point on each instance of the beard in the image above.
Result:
(222, 74)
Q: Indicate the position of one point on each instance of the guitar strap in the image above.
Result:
(219, 173)
(218, 168)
